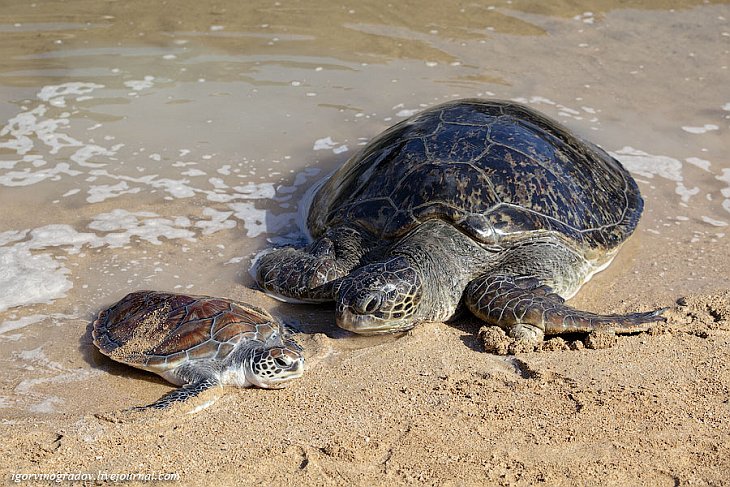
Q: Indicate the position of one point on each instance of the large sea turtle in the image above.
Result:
(488, 204)
(197, 342)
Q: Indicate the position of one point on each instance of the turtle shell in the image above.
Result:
(494, 169)
(159, 331)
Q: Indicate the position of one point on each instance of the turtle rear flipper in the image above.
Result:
(180, 395)
(529, 314)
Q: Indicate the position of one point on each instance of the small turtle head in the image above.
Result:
(379, 298)
(274, 367)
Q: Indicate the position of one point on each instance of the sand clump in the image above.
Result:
(496, 341)
(700, 315)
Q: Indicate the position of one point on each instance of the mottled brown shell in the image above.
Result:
(159, 331)
(494, 169)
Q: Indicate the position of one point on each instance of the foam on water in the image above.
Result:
(563, 110)
(714, 222)
(142, 84)
(102, 192)
(407, 112)
(648, 165)
(725, 177)
(34, 269)
(708, 127)
(12, 325)
(36, 130)
(327, 143)
(701, 163)
(31, 271)
(52, 372)
(144, 225)
(219, 220)
(26, 278)
(257, 222)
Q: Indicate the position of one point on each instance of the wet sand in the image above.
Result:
(142, 148)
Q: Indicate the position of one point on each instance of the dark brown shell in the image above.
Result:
(158, 331)
(494, 169)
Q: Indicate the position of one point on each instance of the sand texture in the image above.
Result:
(430, 406)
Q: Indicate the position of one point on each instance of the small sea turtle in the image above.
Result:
(483, 203)
(197, 342)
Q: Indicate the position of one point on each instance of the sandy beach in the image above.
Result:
(150, 147)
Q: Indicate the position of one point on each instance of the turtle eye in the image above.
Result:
(369, 303)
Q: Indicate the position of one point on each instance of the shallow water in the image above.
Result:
(164, 145)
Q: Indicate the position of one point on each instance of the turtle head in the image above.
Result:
(274, 367)
(379, 298)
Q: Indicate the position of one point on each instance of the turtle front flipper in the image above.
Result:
(309, 274)
(528, 311)
(179, 395)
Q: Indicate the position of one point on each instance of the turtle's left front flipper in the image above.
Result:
(179, 395)
(529, 311)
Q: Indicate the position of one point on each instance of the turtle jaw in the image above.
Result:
(369, 324)
(285, 377)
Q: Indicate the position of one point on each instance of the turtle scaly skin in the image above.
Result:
(483, 203)
(197, 342)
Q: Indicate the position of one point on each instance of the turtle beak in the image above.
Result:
(364, 324)
(290, 371)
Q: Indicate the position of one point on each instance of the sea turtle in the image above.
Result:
(197, 342)
(483, 203)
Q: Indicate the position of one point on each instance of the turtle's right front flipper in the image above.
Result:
(528, 311)
(179, 395)
(308, 274)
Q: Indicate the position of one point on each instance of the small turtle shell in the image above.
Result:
(159, 331)
(494, 169)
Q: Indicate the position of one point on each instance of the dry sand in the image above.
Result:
(428, 406)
